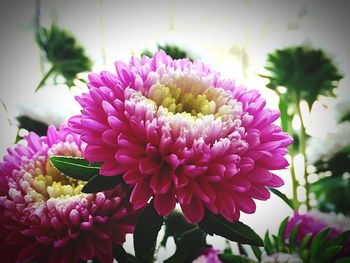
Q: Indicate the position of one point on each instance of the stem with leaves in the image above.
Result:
(47, 75)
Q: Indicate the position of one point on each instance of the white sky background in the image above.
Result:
(234, 37)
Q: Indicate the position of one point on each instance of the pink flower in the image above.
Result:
(208, 255)
(178, 132)
(44, 217)
(315, 221)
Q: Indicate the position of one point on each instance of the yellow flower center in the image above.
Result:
(55, 185)
(178, 100)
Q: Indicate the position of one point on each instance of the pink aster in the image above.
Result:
(44, 217)
(179, 132)
(315, 221)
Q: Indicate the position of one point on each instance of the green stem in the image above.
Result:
(303, 138)
(295, 184)
(47, 75)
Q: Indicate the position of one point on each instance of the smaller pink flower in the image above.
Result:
(44, 216)
(315, 221)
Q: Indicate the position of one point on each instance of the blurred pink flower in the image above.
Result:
(44, 217)
(179, 132)
(315, 221)
(208, 255)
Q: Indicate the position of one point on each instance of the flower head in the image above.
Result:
(315, 221)
(44, 216)
(179, 132)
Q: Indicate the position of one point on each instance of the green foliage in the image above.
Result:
(229, 258)
(30, 124)
(76, 167)
(81, 169)
(175, 226)
(172, 50)
(236, 231)
(67, 58)
(338, 164)
(311, 249)
(146, 232)
(305, 72)
(121, 255)
(100, 183)
(188, 246)
(332, 194)
(283, 197)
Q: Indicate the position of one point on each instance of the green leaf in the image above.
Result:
(236, 231)
(329, 253)
(172, 50)
(268, 244)
(293, 236)
(175, 226)
(100, 183)
(66, 57)
(145, 236)
(340, 239)
(229, 258)
(283, 107)
(304, 243)
(343, 260)
(302, 70)
(318, 242)
(188, 246)
(30, 124)
(282, 196)
(282, 231)
(76, 167)
(121, 255)
(257, 252)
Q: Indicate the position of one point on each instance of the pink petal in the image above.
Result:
(194, 211)
(140, 195)
(165, 203)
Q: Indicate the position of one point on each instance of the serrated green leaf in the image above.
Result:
(100, 183)
(67, 58)
(75, 167)
(282, 196)
(302, 70)
(268, 244)
(236, 231)
(190, 243)
(146, 232)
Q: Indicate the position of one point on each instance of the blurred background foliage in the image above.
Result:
(287, 54)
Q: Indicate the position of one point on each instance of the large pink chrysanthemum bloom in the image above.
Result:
(315, 221)
(44, 217)
(179, 132)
